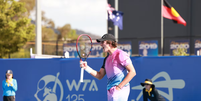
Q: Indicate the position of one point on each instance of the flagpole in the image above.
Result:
(162, 37)
(116, 31)
(38, 45)
(107, 28)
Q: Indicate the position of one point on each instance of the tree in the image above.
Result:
(15, 28)
(48, 34)
(72, 34)
(47, 22)
(29, 5)
(64, 30)
(67, 32)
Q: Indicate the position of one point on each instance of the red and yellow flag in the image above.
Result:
(170, 13)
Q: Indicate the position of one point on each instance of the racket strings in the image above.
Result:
(84, 47)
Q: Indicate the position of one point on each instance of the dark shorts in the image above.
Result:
(8, 98)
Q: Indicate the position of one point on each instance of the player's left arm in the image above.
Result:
(131, 73)
(125, 61)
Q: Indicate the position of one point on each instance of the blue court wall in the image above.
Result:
(176, 78)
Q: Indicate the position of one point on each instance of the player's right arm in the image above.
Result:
(97, 74)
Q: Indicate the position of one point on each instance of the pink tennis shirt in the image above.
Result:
(115, 67)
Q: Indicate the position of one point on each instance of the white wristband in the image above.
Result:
(88, 69)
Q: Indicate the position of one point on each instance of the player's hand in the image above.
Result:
(83, 64)
(117, 88)
(9, 82)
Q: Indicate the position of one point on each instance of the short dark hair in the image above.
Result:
(113, 43)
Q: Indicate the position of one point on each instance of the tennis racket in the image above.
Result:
(83, 47)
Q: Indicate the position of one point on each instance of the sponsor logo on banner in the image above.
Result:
(126, 47)
(148, 48)
(197, 47)
(167, 83)
(179, 47)
(47, 87)
(97, 50)
(69, 50)
(50, 88)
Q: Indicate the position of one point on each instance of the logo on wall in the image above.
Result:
(96, 51)
(126, 46)
(69, 50)
(197, 47)
(168, 83)
(47, 88)
(148, 48)
(179, 47)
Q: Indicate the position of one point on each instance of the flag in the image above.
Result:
(115, 16)
(170, 13)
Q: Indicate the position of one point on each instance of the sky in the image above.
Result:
(86, 15)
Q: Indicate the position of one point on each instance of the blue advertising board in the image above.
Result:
(148, 48)
(175, 78)
(197, 47)
(179, 47)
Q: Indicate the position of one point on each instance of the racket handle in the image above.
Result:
(81, 74)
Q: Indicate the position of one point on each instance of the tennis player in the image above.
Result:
(150, 92)
(117, 66)
(9, 87)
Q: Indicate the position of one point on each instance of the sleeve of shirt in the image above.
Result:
(144, 95)
(156, 94)
(124, 59)
(4, 84)
(14, 85)
(103, 66)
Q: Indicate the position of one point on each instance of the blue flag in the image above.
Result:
(115, 16)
